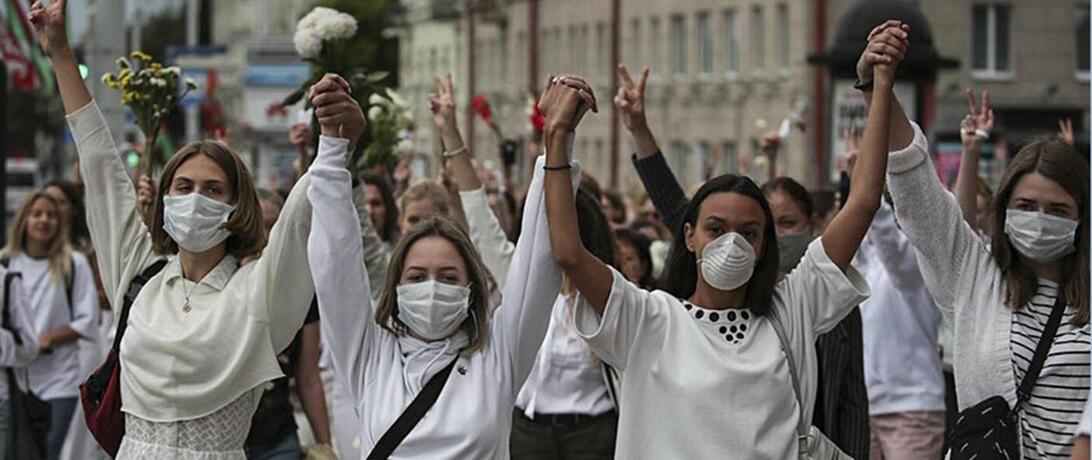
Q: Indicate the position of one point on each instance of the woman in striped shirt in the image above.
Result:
(998, 294)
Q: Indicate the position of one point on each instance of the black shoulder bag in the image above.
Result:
(412, 415)
(989, 429)
(30, 416)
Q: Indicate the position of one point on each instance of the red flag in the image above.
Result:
(20, 69)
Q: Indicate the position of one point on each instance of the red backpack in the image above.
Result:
(100, 394)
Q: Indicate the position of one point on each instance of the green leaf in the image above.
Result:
(295, 97)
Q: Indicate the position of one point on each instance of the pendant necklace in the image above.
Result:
(186, 306)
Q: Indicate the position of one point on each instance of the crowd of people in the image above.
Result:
(361, 314)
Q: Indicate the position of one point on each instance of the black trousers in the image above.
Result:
(574, 438)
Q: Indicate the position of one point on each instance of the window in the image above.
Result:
(655, 45)
(585, 43)
(699, 168)
(679, 153)
(678, 44)
(1082, 41)
(705, 43)
(730, 160)
(573, 45)
(991, 31)
(758, 39)
(730, 33)
(783, 37)
(633, 58)
(602, 44)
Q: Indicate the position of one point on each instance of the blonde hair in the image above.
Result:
(476, 326)
(59, 252)
(431, 191)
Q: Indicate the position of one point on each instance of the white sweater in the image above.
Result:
(182, 365)
(969, 289)
(383, 372)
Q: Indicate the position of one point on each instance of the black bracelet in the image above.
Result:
(558, 168)
(863, 86)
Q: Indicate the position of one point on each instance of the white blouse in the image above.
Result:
(56, 374)
(567, 377)
(709, 384)
(180, 365)
(384, 372)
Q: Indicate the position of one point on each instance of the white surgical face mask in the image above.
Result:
(1040, 237)
(196, 222)
(431, 309)
(727, 262)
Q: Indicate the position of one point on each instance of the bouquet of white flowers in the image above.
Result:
(323, 39)
(321, 26)
(389, 123)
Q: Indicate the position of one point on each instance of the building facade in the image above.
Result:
(724, 72)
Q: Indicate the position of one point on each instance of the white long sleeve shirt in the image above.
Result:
(383, 371)
(12, 354)
(701, 383)
(487, 235)
(180, 365)
(899, 324)
(56, 374)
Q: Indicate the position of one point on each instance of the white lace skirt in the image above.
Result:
(217, 436)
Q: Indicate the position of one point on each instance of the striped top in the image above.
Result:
(1049, 419)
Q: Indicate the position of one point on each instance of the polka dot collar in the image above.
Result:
(732, 324)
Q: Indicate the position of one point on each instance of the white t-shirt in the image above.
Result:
(56, 374)
(695, 389)
(903, 371)
(567, 377)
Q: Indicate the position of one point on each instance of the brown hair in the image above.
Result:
(1060, 163)
(427, 190)
(59, 251)
(247, 232)
(476, 326)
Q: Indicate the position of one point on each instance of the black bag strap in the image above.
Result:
(1023, 392)
(69, 283)
(9, 278)
(412, 415)
(130, 296)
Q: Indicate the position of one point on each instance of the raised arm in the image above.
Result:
(663, 188)
(843, 236)
(280, 274)
(49, 24)
(973, 131)
(336, 258)
(120, 238)
(485, 230)
(564, 104)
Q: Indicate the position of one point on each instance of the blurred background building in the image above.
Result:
(724, 73)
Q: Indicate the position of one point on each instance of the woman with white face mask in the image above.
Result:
(431, 327)
(709, 361)
(203, 333)
(999, 295)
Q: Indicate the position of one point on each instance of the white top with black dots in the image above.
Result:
(698, 383)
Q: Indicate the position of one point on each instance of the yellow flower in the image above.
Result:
(136, 54)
